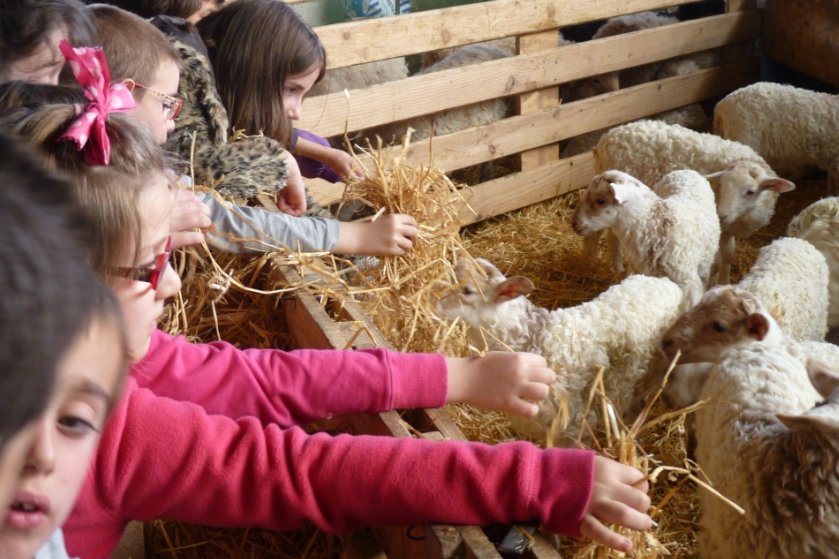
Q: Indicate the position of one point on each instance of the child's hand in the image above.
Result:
(188, 213)
(344, 164)
(619, 497)
(292, 198)
(500, 381)
(389, 235)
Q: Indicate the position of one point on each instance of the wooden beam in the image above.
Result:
(361, 41)
(539, 100)
(330, 115)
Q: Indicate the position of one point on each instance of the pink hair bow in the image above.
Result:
(90, 68)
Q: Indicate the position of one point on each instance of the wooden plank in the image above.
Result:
(737, 5)
(516, 134)
(537, 101)
(330, 115)
(361, 41)
(529, 187)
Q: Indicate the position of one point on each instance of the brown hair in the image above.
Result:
(109, 194)
(254, 45)
(152, 8)
(26, 24)
(134, 47)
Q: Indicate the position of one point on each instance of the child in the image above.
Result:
(208, 433)
(389, 235)
(31, 31)
(157, 68)
(61, 327)
(254, 45)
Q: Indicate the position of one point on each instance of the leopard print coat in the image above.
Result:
(237, 169)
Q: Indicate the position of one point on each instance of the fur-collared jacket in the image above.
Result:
(238, 169)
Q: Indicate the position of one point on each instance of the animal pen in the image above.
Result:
(528, 141)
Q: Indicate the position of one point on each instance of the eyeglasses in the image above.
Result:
(149, 274)
(171, 104)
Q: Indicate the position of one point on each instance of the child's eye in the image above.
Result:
(76, 426)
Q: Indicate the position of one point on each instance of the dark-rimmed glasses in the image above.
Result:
(149, 274)
(171, 104)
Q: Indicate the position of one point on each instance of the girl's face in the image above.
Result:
(43, 65)
(295, 88)
(141, 303)
(65, 438)
(156, 105)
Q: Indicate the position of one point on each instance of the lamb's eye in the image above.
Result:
(600, 201)
(468, 290)
(718, 326)
(750, 193)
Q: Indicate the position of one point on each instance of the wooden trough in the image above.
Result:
(531, 78)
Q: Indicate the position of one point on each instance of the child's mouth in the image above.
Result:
(27, 512)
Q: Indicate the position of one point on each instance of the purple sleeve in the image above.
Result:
(311, 168)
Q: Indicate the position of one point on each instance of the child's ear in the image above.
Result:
(129, 84)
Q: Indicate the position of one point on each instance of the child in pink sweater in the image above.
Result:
(210, 433)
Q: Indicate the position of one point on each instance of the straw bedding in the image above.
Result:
(399, 295)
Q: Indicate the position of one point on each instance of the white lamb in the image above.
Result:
(456, 119)
(789, 126)
(818, 224)
(766, 443)
(619, 330)
(673, 236)
(728, 317)
(745, 187)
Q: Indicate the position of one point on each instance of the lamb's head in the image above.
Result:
(726, 317)
(600, 204)
(741, 186)
(481, 292)
(589, 87)
(824, 417)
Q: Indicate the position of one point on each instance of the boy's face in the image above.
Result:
(142, 305)
(65, 438)
(42, 66)
(152, 108)
(295, 88)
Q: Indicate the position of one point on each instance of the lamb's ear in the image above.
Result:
(824, 380)
(758, 325)
(489, 268)
(513, 287)
(622, 191)
(777, 184)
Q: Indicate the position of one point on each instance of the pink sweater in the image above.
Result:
(207, 434)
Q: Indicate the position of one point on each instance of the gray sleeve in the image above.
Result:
(263, 229)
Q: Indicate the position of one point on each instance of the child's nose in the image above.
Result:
(170, 283)
(41, 456)
(293, 110)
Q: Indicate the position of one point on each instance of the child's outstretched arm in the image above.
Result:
(340, 161)
(619, 497)
(389, 235)
(500, 380)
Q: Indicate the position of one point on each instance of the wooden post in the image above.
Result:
(537, 101)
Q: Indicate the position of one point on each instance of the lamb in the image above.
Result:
(765, 443)
(818, 224)
(789, 126)
(455, 119)
(790, 277)
(728, 317)
(619, 330)
(674, 236)
(745, 187)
